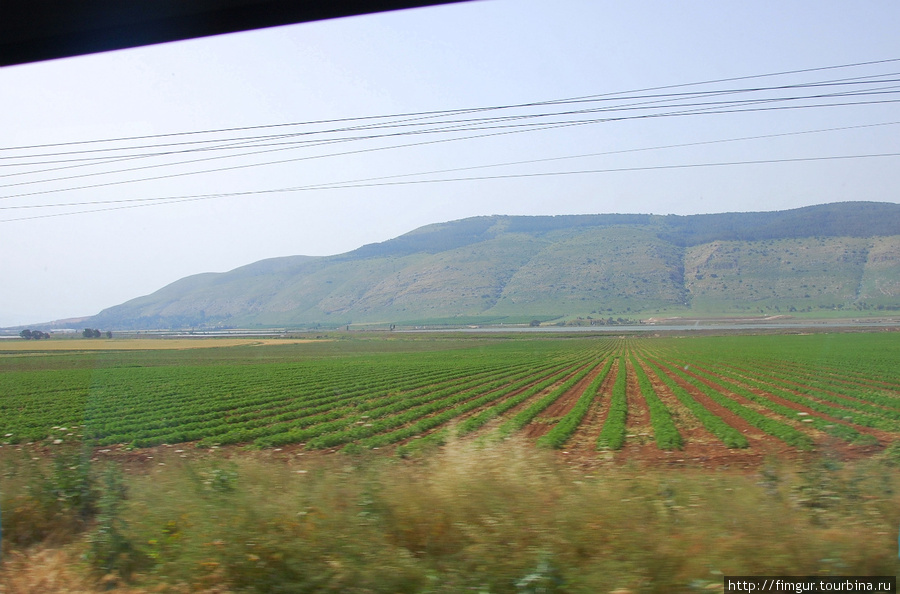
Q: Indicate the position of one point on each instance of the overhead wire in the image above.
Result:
(242, 141)
(662, 98)
(506, 129)
(491, 165)
(463, 110)
(495, 125)
(413, 122)
(351, 185)
(452, 128)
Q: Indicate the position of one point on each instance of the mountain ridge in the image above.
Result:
(839, 255)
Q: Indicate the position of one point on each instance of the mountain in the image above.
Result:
(515, 268)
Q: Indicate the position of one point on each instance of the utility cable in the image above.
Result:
(354, 185)
(527, 128)
(464, 110)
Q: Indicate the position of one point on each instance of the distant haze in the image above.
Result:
(797, 108)
(597, 268)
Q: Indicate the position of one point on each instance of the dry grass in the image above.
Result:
(142, 344)
(504, 518)
(51, 571)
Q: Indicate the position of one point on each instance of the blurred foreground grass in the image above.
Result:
(500, 518)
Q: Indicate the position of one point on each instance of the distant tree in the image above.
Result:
(33, 334)
(87, 333)
(108, 334)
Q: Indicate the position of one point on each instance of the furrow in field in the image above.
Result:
(585, 437)
(547, 419)
(799, 409)
(842, 416)
(858, 411)
(491, 418)
(527, 415)
(461, 410)
(757, 427)
(848, 376)
(730, 418)
(563, 430)
(806, 382)
(638, 428)
(699, 445)
(796, 433)
(687, 423)
(472, 418)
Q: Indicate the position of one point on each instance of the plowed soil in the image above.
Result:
(638, 429)
(553, 413)
(882, 436)
(584, 441)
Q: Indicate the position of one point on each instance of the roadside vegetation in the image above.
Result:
(409, 464)
(370, 393)
(505, 517)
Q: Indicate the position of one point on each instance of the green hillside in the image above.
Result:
(836, 256)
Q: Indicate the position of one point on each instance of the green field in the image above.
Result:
(447, 463)
(756, 392)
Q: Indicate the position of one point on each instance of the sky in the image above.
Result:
(358, 117)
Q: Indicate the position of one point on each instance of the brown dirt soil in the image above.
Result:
(767, 412)
(880, 435)
(583, 441)
(638, 429)
(800, 385)
(496, 422)
(58, 571)
(556, 411)
(716, 454)
(701, 448)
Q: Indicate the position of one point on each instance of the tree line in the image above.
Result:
(29, 334)
(94, 333)
(33, 334)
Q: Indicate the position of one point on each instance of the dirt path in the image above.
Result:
(701, 448)
(497, 421)
(585, 437)
(761, 444)
(638, 429)
(880, 435)
(556, 411)
(773, 380)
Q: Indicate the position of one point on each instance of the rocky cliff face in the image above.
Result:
(832, 256)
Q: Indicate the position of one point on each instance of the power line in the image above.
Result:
(354, 185)
(452, 126)
(630, 105)
(237, 141)
(715, 109)
(491, 165)
(461, 110)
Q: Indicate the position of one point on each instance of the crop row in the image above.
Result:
(792, 389)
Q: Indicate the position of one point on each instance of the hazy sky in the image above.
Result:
(635, 60)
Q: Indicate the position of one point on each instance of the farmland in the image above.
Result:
(715, 400)
(438, 463)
